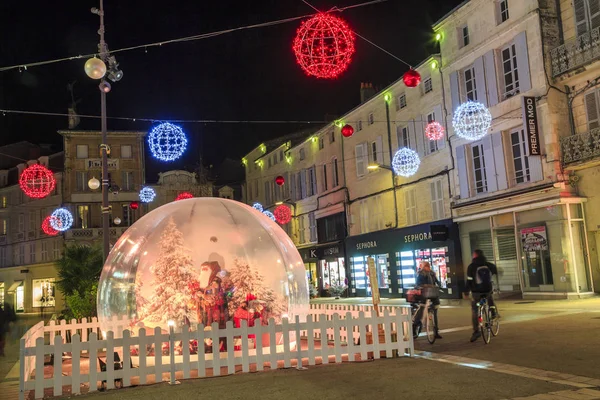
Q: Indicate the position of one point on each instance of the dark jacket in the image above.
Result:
(471, 278)
(424, 278)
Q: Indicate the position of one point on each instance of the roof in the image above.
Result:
(97, 132)
(294, 138)
(449, 13)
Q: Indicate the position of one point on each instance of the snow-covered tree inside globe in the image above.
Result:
(203, 260)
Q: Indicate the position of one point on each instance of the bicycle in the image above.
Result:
(489, 325)
(428, 317)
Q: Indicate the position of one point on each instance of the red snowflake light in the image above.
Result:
(280, 180)
(47, 226)
(434, 131)
(184, 195)
(283, 214)
(411, 78)
(324, 46)
(37, 181)
(347, 130)
(134, 205)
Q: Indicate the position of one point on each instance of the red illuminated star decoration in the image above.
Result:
(47, 227)
(283, 214)
(37, 181)
(184, 195)
(324, 46)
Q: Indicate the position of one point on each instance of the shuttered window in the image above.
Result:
(410, 203)
(483, 241)
(587, 15)
(361, 159)
(437, 200)
(591, 108)
(479, 172)
(520, 159)
(506, 244)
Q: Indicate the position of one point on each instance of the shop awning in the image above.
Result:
(14, 286)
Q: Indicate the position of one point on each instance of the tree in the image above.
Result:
(172, 272)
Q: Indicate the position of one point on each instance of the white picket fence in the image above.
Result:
(82, 341)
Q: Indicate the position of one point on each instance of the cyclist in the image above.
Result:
(427, 277)
(479, 283)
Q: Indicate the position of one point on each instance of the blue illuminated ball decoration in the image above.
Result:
(472, 120)
(406, 162)
(258, 207)
(147, 194)
(61, 219)
(270, 215)
(167, 141)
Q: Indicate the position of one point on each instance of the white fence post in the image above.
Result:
(285, 336)
(185, 351)
(200, 335)
(143, 352)
(57, 368)
(39, 367)
(216, 349)
(75, 364)
(93, 355)
(110, 360)
(157, 354)
(126, 358)
(310, 338)
(324, 342)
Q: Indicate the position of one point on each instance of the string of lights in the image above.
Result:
(24, 66)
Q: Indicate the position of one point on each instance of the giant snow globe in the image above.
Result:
(203, 261)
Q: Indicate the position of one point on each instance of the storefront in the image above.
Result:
(326, 266)
(398, 253)
(32, 289)
(540, 250)
(309, 257)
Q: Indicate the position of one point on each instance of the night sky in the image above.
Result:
(243, 75)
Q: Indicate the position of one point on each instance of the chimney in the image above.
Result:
(366, 92)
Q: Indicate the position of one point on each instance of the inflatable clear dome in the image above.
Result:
(203, 260)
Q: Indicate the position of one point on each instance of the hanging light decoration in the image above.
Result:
(411, 78)
(95, 68)
(134, 205)
(347, 130)
(257, 206)
(61, 219)
(406, 162)
(324, 45)
(47, 227)
(147, 194)
(94, 183)
(282, 214)
(184, 195)
(270, 215)
(167, 141)
(37, 181)
(117, 221)
(280, 180)
(434, 131)
(472, 120)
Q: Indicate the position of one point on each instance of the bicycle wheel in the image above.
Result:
(486, 331)
(430, 328)
(494, 324)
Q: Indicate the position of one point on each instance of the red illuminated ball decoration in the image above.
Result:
(283, 214)
(134, 205)
(347, 130)
(184, 195)
(37, 181)
(280, 180)
(434, 131)
(411, 78)
(47, 227)
(324, 46)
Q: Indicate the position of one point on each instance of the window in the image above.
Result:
(433, 144)
(325, 177)
(587, 15)
(334, 173)
(509, 71)
(268, 199)
(321, 143)
(269, 162)
(427, 85)
(403, 136)
(311, 180)
(301, 233)
(520, 160)
(4, 227)
(463, 36)
(312, 226)
(44, 250)
(126, 151)
(437, 200)
(81, 184)
(363, 210)
(331, 136)
(410, 204)
(21, 223)
(32, 253)
(256, 188)
(21, 254)
(359, 126)
(502, 10)
(127, 181)
(82, 151)
(361, 159)
(470, 83)
(371, 119)
(401, 102)
(592, 112)
(302, 154)
(32, 224)
(56, 250)
(127, 215)
(374, 153)
(43, 292)
(479, 174)
(3, 261)
(83, 217)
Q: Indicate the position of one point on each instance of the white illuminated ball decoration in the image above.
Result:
(472, 120)
(167, 141)
(257, 206)
(61, 219)
(406, 162)
(147, 194)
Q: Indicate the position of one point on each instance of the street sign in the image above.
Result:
(374, 282)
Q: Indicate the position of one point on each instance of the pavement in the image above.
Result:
(545, 350)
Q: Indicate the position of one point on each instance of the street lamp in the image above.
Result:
(374, 167)
(96, 69)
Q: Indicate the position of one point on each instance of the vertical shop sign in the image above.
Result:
(531, 125)
(374, 282)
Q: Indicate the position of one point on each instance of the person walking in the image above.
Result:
(480, 284)
(7, 315)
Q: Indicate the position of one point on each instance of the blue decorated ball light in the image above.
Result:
(147, 195)
(270, 215)
(472, 120)
(167, 142)
(406, 162)
(61, 219)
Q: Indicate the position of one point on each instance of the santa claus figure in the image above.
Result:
(210, 302)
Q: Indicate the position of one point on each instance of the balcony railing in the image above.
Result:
(581, 147)
(92, 233)
(576, 52)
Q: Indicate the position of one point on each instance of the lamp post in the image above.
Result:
(96, 69)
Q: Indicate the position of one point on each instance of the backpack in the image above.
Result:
(483, 278)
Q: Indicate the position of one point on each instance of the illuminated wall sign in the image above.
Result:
(531, 125)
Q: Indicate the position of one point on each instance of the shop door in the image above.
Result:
(537, 267)
(20, 299)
